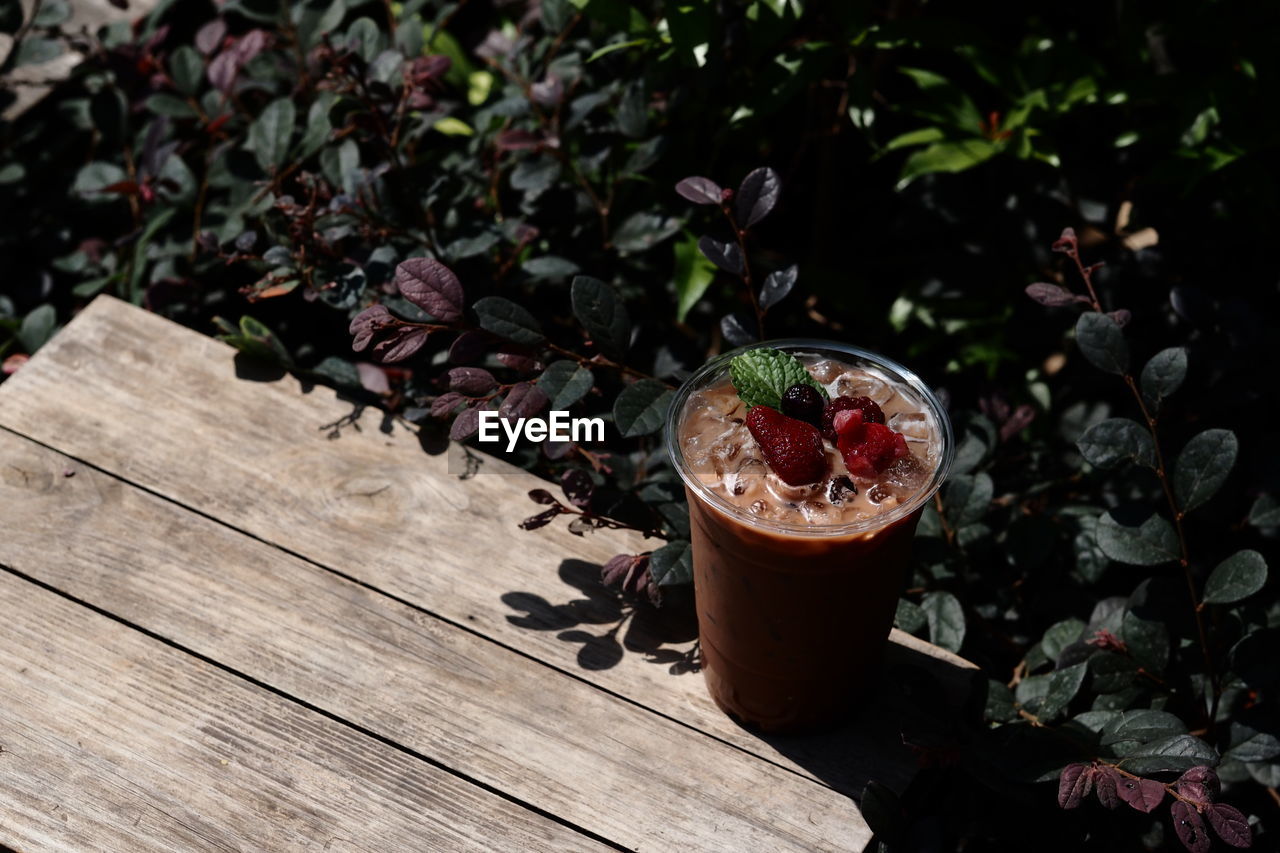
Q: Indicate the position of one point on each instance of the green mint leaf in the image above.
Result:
(761, 376)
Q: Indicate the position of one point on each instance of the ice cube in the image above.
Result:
(788, 494)
(825, 371)
(819, 512)
(879, 493)
(858, 383)
(760, 507)
(912, 425)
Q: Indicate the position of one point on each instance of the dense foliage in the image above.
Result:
(572, 203)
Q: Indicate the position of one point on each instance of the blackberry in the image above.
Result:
(804, 403)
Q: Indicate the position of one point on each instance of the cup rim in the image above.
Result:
(716, 501)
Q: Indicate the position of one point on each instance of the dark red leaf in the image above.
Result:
(122, 187)
(1122, 316)
(518, 140)
(523, 401)
(1067, 242)
(403, 342)
(1194, 791)
(1143, 794)
(1230, 824)
(250, 45)
(444, 405)
(373, 378)
(727, 256)
(1206, 776)
(222, 71)
(1074, 784)
(542, 496)
(616, 570)
(465, 424)
(1052, 295)
(210, 36)
(1189, 826)
(431, 286)
(468, 347)
(1105, 783)
(700, 190)
(577, 487)
(473, 381)
(369, 322)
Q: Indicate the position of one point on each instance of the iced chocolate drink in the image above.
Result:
(802, 508)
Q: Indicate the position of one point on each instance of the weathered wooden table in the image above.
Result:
(223, 628)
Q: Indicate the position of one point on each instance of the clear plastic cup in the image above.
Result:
(793, 617)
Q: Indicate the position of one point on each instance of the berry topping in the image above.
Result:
(868, 448)
(804, 403)
(792, 448)
(871, 413)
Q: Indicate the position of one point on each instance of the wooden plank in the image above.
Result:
(114, 741)
(155, 403)
(487, 712)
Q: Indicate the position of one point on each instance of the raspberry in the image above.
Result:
(869, 448)
(804, 403)
(792, 448)
(871, 413)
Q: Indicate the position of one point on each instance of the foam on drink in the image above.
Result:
(722, 454)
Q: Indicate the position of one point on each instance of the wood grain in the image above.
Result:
(157, 404)
(114, 741)
(487, 712)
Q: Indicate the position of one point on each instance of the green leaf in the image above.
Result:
(642, 407)
(1236, 578)
(508, 320)
(909, 617)
(946, 620)
(1064, 684)
(967, 498)
(946, 157)
(35, 51)
(672, 564)
(944, 102)
(693, 273)
(1060, 635)
(1148, 641)
(1142, 726)
(602, 314)
(922, 136)
(1108, 444)
(37, 327)
(451, 126)
(186, 66)
(164, 104)
(365, 38)
(1102, 342)
(1150, 544)
(319, 128)
(1112, 672)
(565, 383)
(1175, 754)
(1250, 745)
(1203, 466)
(640, 232)
(762, 375)
(270, 133)
(1163, 375)
(1265, 512)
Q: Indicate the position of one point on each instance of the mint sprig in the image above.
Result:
(761, 376)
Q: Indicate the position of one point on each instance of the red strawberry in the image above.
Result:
(792, 448)
(871, 413)
(867, 448)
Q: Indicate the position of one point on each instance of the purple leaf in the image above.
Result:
(541, 519)
(777, 285)
(518, 140)
(523, 401)
(517, 358)
(431, 286)
(403, 342)
(1122, 316)
(1189, 826)
(444, 405)
(1052, 295)
(367, 323)
(1017, 421)
(1230, 824)
(1143, 794)
(250, 45)
(1074, 784)
(1105, 783)
(617, 569)
(542, 496)
(757, 195)
(465, 424)
(471, 380)
(1067, 242)
(700, 190)
(577, 487)
(1194, 791)
(222, 71)
(468, 347)
(734, 329)
(727, 256)
(373, 378)
(1206, 776)
(210, 36)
